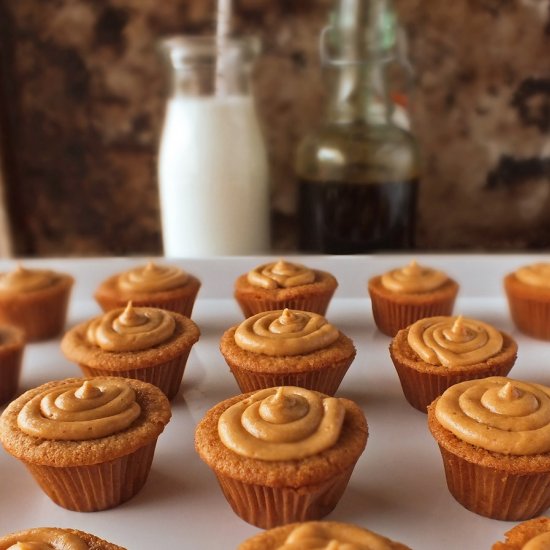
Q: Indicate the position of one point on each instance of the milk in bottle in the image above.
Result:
(212, 166)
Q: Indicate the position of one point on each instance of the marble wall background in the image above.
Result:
(82, 92)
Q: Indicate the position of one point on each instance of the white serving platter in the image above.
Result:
(398, 487)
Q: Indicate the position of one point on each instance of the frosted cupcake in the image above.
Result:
(494, 437)
(435, 353)
(283, 454)
(404, 295)
(533, 534)
(88, 443)
(320, 534)
(287, 348)
(12, 344)
(144, 343)
(54, 538)
(152, 285)
(528, 292)
(35, 300)
(282, 284)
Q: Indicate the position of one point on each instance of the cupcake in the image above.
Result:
(319, 534)
(152, 285)
(282, 454)
(35, 300)
(528, 293)
(533, 534)
(53, 538)
(494, 438)
(12, 343)
(435, 353)
(402, 296)
(144, 343)
(280, 285)
(287, 348)
(88, 443)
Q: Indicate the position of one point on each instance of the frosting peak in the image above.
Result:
(280, 274)
(535, 275)
(413, 278)
(80, 411)
(498, 414)
(286, 423)
(319, 535)
(450, 341)
(131, 329)
(47, 538)
(285, 332)
(27, 280)
(152, 278)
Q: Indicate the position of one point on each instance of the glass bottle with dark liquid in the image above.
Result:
(358, 173)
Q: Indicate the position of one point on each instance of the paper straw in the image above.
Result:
(223, 28)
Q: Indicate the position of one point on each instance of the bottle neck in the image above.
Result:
(358, 94)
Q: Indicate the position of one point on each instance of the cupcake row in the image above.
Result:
(530, 535)
(282, 320)
(281, 455)
(35, 301)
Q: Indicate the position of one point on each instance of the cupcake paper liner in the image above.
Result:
(325, 380)
(268, 507)
(10, 370)
(495, 493)
(390, 317)
(421, 388)
(183, 305)
(165, 376)
(97, 486)
(317, 303)
(42, 314)
(530, 313)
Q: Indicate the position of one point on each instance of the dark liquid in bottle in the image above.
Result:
(353, 218)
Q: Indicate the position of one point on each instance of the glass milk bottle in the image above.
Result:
(212, 165)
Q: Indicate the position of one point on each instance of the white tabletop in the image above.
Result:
(398, 486)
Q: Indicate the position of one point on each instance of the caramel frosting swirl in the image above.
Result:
(285, 423)
(498, 414)
(316, 535)
(413, 278)
(454, 341)
(48, 539)
(27, 280)
(131, 329)
(152, 278)
(280, 274)
(540, 542)
(285, 332)
(80, 411)
(535, 275)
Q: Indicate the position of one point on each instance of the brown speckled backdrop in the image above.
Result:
(82, 92)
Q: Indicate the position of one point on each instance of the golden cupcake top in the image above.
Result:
(454, 341)
(540, 542)
(131, 329)
(318, 535)
(80, 411)
(46, 538)
(498, 414)
(537, 275)
(22, 279)
(284, 423)
(285, 332)
(413, 278)
(280, 274)
(152, 278)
